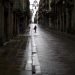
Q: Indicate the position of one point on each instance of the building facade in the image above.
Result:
(43, 16)
(12, 14)
(63, 10)
(59, 13)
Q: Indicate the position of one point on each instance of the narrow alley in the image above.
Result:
(45, 53)
(37, 37)
(50, 54)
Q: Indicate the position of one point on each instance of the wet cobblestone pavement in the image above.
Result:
(56, 53)
(11, 56)
(40, 53)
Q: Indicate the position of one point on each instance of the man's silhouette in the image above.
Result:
(35, 28)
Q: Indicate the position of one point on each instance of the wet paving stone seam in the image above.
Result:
(35, 61)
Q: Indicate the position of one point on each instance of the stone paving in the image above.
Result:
(40, 53)
(11, 56)
(56, 53)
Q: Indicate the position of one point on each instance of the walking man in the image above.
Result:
(35, 28)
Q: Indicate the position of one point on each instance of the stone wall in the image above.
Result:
(11, 14)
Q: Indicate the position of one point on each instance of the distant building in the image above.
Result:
(36, 17)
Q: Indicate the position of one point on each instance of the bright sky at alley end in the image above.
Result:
(32, 1)
(31, 7)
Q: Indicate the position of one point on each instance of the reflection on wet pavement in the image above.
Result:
(45, 53)
(56, 54)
